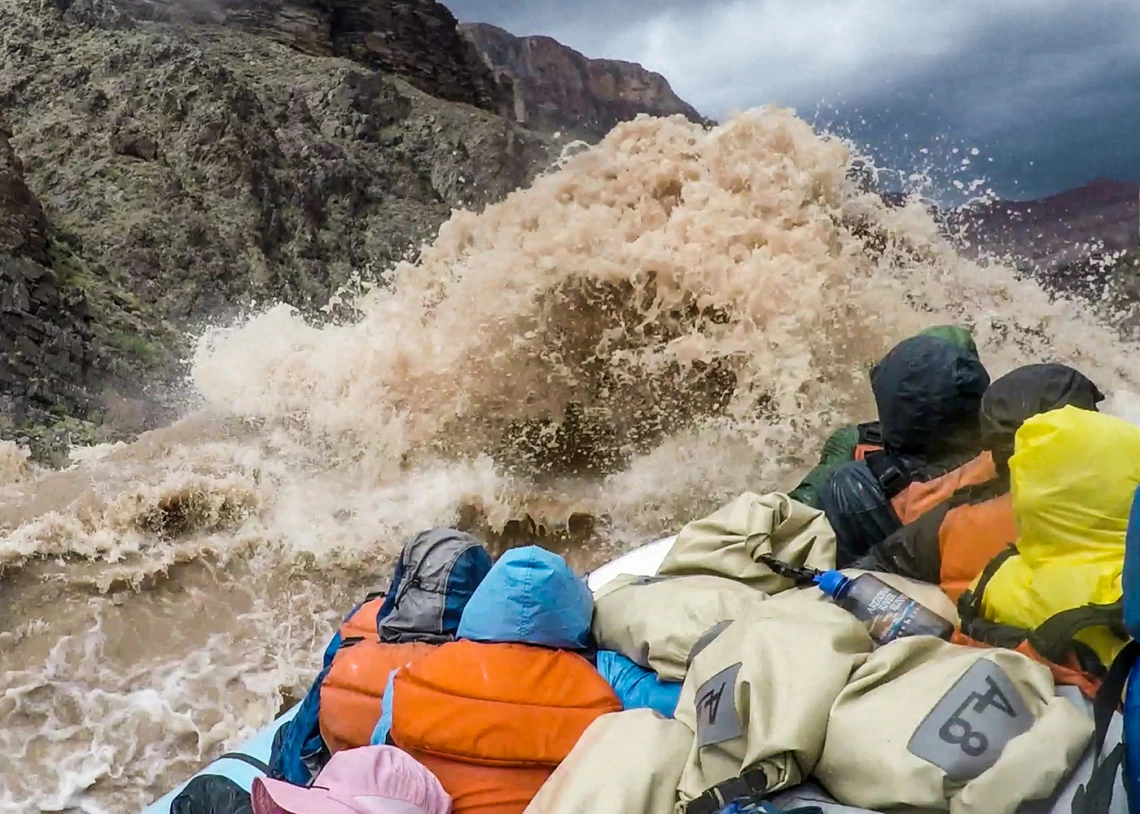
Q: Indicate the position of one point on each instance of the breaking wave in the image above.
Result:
(665, 320)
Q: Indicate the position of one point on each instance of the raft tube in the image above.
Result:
(641, 562)
(243, 765)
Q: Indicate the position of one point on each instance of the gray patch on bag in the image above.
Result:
(707, 638)
(965, 733)
(717, 718)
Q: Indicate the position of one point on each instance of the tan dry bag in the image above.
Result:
(928, 724)
(662, 622)
(758, 696)
(729, 542)
(625, 762)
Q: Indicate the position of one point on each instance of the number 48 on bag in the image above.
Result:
(965, 733)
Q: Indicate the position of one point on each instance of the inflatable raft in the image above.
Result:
(249, 761)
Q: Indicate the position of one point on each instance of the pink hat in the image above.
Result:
(368, 780)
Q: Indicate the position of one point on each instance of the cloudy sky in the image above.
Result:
(1047, 91)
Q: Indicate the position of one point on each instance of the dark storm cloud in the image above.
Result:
(1048, 91)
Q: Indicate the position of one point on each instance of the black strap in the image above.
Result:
(891, 473)
(349, 641)
(261, 766)
(1095, 796)
(970, 602)
(751, 783)
(1054, 638)
(1111, 692)
(870, 433)
(995, 634)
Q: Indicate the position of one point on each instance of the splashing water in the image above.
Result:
(665, 320)
(13, 463)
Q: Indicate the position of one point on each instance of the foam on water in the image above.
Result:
(667, 319)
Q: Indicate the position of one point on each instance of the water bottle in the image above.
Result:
(887, 613)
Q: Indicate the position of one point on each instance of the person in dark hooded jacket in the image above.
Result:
(950, 544)
(928, 391)
(853, 442)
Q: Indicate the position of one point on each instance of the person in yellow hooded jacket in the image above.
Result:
(1073, 475)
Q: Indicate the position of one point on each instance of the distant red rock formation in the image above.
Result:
(1100, 217)
(557, 88)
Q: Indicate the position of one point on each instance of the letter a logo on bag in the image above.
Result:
(968, 728)
(717, 718)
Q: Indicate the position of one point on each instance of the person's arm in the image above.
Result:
(635, 686)
(838, 449)
(912, 551)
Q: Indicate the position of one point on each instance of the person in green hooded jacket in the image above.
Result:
(840, 447)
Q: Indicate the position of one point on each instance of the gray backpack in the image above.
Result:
(435, 576)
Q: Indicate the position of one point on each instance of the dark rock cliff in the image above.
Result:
(1083, 241)
(172, 171)
(48, 355)
(1101, 216)
(416, 39)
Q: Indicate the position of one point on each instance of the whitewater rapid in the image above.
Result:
(669, 318)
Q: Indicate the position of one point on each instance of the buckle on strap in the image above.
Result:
(893, 480)
(870, 432)
(751, 783)
(889, 472)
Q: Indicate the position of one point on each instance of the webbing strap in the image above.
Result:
(751, 783)
(889, 471)
(349, 642)
(870, 433)
(260, 765)
(1053, 638)
(970, 602)
(1095, 796)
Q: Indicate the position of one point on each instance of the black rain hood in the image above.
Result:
(1025, 392)
(929, 392)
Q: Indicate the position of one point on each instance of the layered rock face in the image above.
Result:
(22, 225)
(174, 172)
(557, 88)
(47, 353)
(416, 39)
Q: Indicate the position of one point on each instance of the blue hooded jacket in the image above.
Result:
(531, 596)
